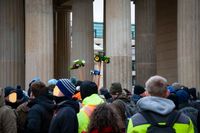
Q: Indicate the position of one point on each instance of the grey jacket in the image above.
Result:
(7, 117)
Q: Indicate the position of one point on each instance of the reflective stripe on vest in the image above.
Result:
(88, 109)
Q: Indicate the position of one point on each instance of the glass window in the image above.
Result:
(133, 80)
(133, 65)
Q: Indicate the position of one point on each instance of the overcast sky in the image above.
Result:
(98, 11)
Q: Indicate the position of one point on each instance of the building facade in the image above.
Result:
(35, 40)
(98, 41)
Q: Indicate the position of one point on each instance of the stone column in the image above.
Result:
(118, 42)
(189, 43)
(63, 45)
(12, 71)
(145, 13)
(39, 39)
(82, 37)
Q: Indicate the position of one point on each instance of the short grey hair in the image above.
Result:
(176, 85)
(156, 85)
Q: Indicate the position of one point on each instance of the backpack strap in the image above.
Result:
(149, 118)
(172, 118)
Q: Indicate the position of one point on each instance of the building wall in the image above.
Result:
(166, 44)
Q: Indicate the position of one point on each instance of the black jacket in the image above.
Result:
(65, 118)
(40, 115)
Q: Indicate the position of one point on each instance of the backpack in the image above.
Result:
(131, 109)
(157, 128)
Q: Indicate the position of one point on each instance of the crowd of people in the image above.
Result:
(73, 106)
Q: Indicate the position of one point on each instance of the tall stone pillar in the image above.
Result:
(145, 16)
(12, 71)
(118, 42)
(39, 39)
(82, 37)
(62, 45)
(189, 43)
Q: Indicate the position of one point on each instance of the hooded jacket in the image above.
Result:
(160, 109)
(40, 115)
(7, 117)
(89, 104)
(65, 118)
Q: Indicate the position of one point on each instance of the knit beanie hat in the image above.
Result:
(115, 88)
(66, 87)
(52, 82)
(171, 89)
(138, 89)
(183, 96)
(8, 90)
(88, 88)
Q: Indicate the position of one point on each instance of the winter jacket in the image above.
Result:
(130, 106)
(40, 115)
(22, 113)
(135, 98)
(89, 104)
(7, 117)
(65, 118)
(160, 109)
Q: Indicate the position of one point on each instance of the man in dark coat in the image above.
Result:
(65, 118)
(41, 109)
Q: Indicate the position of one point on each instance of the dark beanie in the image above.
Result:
(138, 89)
(66, 87)
(88, 88)
(183, 96)
(115, 88)
(20, 93)
(8, 90)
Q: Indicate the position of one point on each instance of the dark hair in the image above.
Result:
(104, 117)
(39, 88)
(120, 108)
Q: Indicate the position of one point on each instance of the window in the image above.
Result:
(133, 80)
(133, 65)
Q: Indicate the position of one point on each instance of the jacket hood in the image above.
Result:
(44, 101)
(158, 105)
(69, 103)
(94, 99)
(1, 97)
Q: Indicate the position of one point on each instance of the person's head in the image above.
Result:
(10, 96)
(115, 89)
(105, 93)
(35, 79)
(73, 80)
(104, 118)
(52, 84)
(139, 90)
(120, 107)
(193, 93)
(183, 96)
(38, 89)
(64, 88)
(157, 86)
(88, 88)
(176, 85)
(20, 94)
